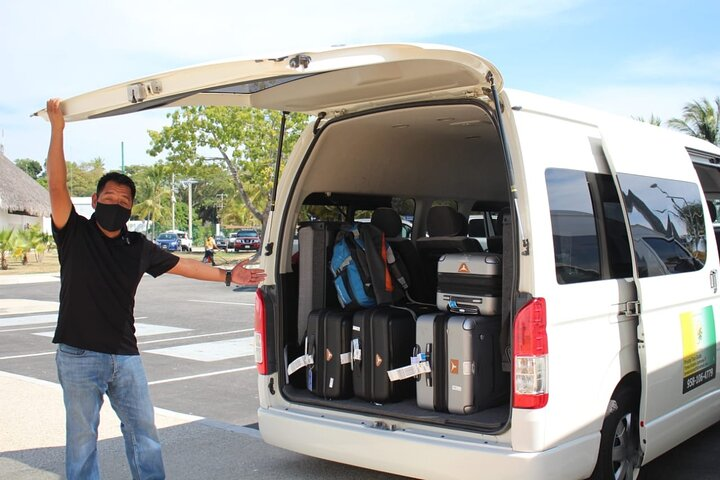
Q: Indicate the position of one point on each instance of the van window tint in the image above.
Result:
(667, 224)
(617, 244)
(575, 239)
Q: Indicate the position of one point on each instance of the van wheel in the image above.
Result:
(618, 453)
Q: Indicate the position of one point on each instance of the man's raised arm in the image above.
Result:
(56, 170)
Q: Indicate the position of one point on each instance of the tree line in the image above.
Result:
(230, 153)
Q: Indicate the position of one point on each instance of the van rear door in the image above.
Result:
(675, 274)
(345, 79)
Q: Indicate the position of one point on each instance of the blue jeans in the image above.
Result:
(85, 376)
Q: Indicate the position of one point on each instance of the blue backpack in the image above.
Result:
(359, 265)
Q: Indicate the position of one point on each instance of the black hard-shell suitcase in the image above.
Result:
(470, 283)
(382, 340)
(328, 342)
(316, 290)
(465, 363)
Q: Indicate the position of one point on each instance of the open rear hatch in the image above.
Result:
(345, 79)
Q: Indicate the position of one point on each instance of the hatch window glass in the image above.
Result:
(667, 224)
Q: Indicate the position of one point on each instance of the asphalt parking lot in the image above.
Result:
(196, 342)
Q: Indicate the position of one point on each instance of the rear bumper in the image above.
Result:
(420, 455)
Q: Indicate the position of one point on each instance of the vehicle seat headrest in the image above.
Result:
(476, 228)
(445, 221)
(387, 220)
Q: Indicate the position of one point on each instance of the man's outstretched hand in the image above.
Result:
(247, 276)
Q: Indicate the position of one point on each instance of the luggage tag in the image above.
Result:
(355, 352)
(418, 365)
(301, 361)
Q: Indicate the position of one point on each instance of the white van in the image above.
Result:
(609, 280)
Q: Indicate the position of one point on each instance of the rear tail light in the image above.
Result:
(260, 337)
(530, 355)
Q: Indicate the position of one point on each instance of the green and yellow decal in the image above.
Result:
(699, 349)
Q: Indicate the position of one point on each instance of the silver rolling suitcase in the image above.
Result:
(465, 365)
(470, 283)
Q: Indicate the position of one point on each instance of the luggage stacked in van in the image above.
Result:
(370, 342)
(353, 339)
(462, 342)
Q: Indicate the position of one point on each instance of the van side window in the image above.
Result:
(575, 238)
(617, 244)
(667, 224)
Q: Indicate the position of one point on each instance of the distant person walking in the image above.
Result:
(101, 265)
(209, 251)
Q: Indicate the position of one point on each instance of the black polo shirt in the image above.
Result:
(99, 277)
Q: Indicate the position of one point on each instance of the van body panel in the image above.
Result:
(677, 311)
(418, 455)
(344, 79)
(587, 310)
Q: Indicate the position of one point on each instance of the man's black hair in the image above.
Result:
(116, 177)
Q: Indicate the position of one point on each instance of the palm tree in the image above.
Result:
(700, 119)
(5, 244)
(652, 121)
(154, 191)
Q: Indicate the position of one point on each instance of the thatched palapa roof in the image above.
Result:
(19, 193)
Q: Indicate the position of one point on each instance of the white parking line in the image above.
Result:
(23, 329)
(191, 377)
(196, 336)
(224, 303)
(11, 357)
(16, 321)
(211, 351)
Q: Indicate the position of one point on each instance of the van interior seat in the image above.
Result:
(476, 228)
(406, 255)
(447, 230)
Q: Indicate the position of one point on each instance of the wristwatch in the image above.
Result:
(228, 277)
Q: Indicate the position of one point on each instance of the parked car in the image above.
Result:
(247, 239)
(169, 241)
(231, 241)
(221, 242)
(185, 241)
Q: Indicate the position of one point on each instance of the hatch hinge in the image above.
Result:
(137, 92)
(630, 309)
(320, 118)
(299, 62)
(474, 93)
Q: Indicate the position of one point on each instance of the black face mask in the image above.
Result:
(111, 217)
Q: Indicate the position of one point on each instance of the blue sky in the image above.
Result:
(632, 57)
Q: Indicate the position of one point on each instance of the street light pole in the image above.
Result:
(172, 201)
(189, 184)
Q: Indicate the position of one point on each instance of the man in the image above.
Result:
(101, 264)
(209, 251)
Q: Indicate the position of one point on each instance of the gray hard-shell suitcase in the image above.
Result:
(470, 283)
(465, 363)
(316, 290)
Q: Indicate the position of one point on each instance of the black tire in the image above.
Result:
(619, 441)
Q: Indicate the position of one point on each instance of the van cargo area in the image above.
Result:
(408, 158)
